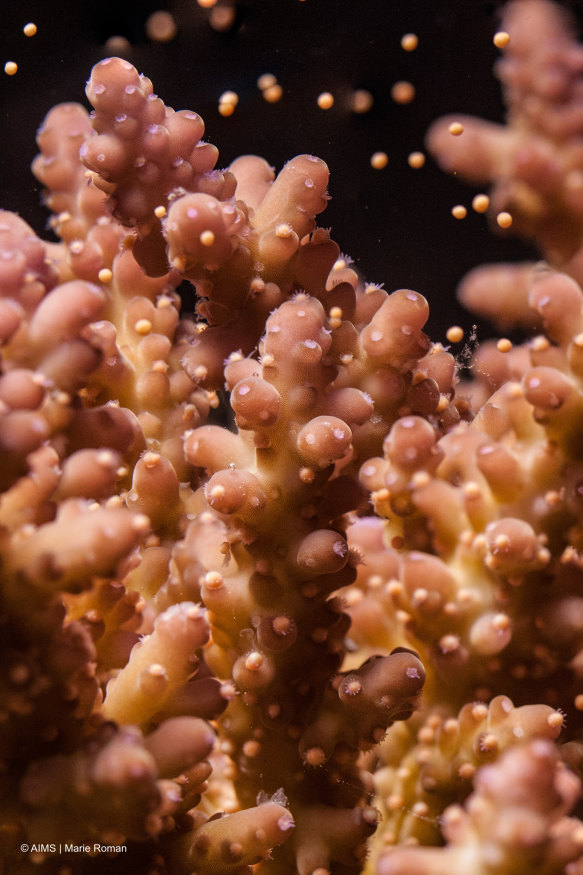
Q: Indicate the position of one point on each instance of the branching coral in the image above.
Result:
(125, 509)
(280, 593)
(515, 821)
(534, 162)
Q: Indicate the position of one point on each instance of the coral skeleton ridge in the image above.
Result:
(281, 593)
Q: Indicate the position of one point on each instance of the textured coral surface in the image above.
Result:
(280, 591)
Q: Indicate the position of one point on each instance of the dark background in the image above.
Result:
(395, 223)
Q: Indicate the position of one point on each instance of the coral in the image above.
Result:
(534, 162)
(189, 569)
(282, 593)
(516, 820)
